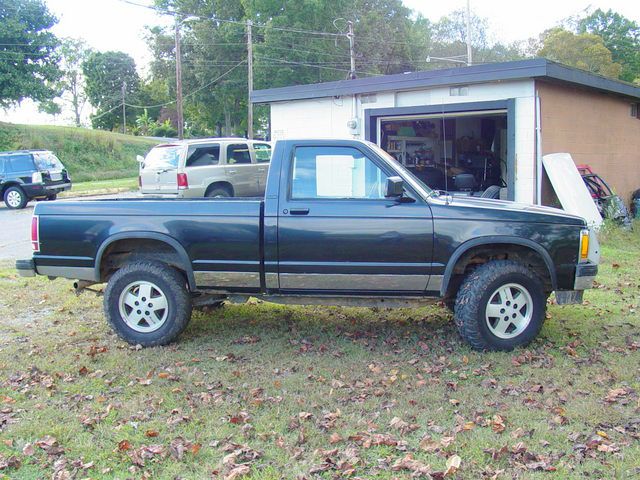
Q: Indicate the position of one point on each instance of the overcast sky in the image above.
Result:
(116, 25)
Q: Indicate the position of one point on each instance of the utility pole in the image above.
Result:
(124, 109)
(249, 81)
(179, 83)
(352, 53)
(469, 51)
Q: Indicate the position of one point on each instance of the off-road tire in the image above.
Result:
(172, 284)
(475, 293)
(12, 191)
(220, 192)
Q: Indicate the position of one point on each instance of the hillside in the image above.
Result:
(87, 154)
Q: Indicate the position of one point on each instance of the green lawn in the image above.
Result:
(272, 391)
(102, 187)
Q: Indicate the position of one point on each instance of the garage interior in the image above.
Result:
(463, 153)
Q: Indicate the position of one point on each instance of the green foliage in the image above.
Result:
(164, 129)
(620, 35)
(28, 58)
(88, 154)
(585, 51)
(105, 73)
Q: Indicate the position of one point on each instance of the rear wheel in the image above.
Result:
(500, 305)
(15, 198)
(52, 197)
(147, 303)
(218, 192)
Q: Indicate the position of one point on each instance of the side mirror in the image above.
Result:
(394, 187)
(140, 160)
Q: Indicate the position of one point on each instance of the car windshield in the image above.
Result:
(163, 156)
(47, 161)
(413, 180)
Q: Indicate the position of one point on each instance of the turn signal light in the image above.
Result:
(584, 245)
(35, 233)
(182, 181)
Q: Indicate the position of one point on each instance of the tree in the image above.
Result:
(70, 88)
(28, 58)
(620, 35)
(585, 51)
(105, 74)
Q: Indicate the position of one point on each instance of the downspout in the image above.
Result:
(538, 152)
(354, 115)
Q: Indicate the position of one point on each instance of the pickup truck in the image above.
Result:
(341, 223)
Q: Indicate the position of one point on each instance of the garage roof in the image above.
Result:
(494, 72)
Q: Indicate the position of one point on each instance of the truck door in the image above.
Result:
(338, 233)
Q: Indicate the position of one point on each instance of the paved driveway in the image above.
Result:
(15, 226)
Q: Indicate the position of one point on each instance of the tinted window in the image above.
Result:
(263, 152)
(335, 172)
(200, 156)
(19, 163)
(237, 154)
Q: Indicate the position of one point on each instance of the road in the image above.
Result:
(15, 226)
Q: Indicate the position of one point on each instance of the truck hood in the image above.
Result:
(507, 210)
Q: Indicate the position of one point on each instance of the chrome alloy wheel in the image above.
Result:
(143, 306)
(509, 311)
(14, 198)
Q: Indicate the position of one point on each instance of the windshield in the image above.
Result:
(47, 161)
(408, 175)
(164, 156)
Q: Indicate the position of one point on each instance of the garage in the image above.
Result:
(476, 130)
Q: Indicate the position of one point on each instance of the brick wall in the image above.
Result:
(596, 129)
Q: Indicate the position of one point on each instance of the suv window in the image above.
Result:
(335, 173)
(203, 155)
(263, 152)
(19, 163)
(238, 153)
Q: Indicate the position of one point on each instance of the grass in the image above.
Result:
(88, 154)
(102, 187)
(282, 392)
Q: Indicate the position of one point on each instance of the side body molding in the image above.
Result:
(492, 240)
(172, 242)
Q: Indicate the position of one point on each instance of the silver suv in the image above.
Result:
(208, 167)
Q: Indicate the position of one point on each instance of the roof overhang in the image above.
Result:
(494, 72)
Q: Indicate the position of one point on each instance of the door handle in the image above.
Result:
(231, 171)
(299, 211)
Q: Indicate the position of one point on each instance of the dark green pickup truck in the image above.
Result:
(341, 223)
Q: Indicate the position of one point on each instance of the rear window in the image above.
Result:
(47, 161)
(19, 163)
(165, 156)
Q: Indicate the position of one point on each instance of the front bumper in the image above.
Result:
(585, 275)
(26, 268)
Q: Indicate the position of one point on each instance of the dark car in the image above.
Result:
(341, 223)
(29, 174)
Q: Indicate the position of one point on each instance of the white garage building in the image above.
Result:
(462, 128)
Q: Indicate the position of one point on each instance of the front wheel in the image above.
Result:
(147, 303)
(500, 305)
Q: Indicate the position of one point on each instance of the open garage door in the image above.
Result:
(462, 152)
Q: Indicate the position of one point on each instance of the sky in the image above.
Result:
(117, 25)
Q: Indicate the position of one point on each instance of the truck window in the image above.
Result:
(335, 173)
(238, 153)
(20, 163)
(203, 155)
(263, 152)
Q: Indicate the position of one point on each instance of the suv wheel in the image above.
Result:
(50, 198)
(147, 303)
(15, 198)
(218, 192)
(500, 305)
